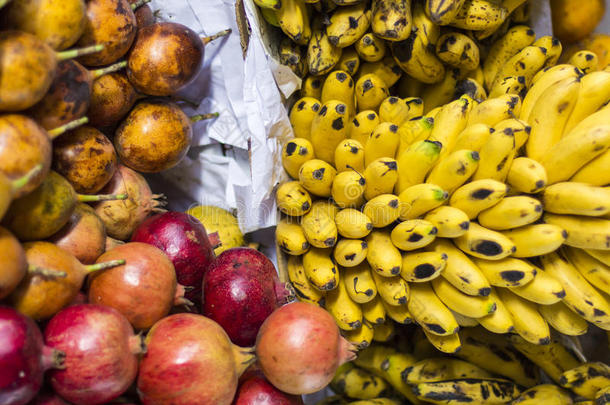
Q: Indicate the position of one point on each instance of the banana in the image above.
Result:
(477, 75)
(359, 282)
(583, 232)
(457, 391)
(602, 397)
(473, 137)
(328, 129)
(290, 237)
(317, 176)
(386, 69)
(553, 358)
(479, 15)
(415, 106)
(508, 272)
(510, 6)
(471, 88)
(572, 152)
(601, 255)
(382, 210)
(350, 252)
(352, 223)
(312, 87)
(322, 55)
(415, 163)
(576, 199)
(396, 111)
(438, 94)
(398, 313)
(517, 38)
(420, 267)
(509, 85)
(464, 321)
(326, 206)
(349, 61)
(458, 50)
(349, 156)
(339, 86)
(525, 63)
(294, 154)
(357, 383)
(377, 401)
(478, 195)
(443, 12)
(553, 49)
(494, 110)
(392, 290)
(348, 189)
(370, 91)
(415, 130)
(413, 234)
(293, 18)
(581, 297)
(453, 170)
(511, 212)
(593, 94)
(301, 116)
(383, 256)
(529, 324)
(584, 60)
(544, 289)
(586, 379)
(419, 199)
(303, 289)
(362, 126)
(383, 332)
(442, 369)
(370, 48)
(520, 129)
(537, 239)
(526, 176)
(268, 4)
(391, 19)
(522, 14)
(594, 271)
(563, 319)
(450, 222)
(319, 228)
(548, 394)
(468, 305)
(348, 24)
(374, 312)
(449, 344)
(292, 56)
(320, 269)
(497, 154)
(449, 122)
(500, 321)
(347, 314)
(430, 312)
(292, 199)
(383, 143)
(460, 271)
(380, 176)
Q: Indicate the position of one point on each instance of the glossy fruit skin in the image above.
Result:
(142, 289)
(101, 353)
(25, 144)
(84, 235)
(254, 389)
(185, 242)
(155, 136)
(239, 292)
(109, 22)
(86, 158)
(165, 57)
(23, 357)
(12, 262)
(112, 96)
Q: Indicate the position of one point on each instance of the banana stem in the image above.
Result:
(109, 69)
(138, 4)
(55, 132)
(39, 271)
(104, 265)
(207, 40)
(201, 117)
(25, 179)
(100, 197)
(74, 53)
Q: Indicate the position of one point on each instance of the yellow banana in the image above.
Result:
(576, 199)
(392, 290)
(380, 176)
(450, 222)
(293, 199)
(479, 15)
(522, 14)
(317, 176)
(303, 289)
(494, 110)
(377, 401)
(347, 314)
(458, 50)
(529, 324)
(526, 176)
(438, 94)
(453, 170)
(291, 55)
(349, 61)
(478, 195)
(383, 256)
(413, 234)
(525, 63)
(420, 267)
(415, 163)
(449, 122)
(268, 4)
(398, 313)
(386, 69)
(350, 252)
(449, 344)
(352, 223)
(319, 228)
(553, 49)
(602, 397)
(328, 129)
(383, 332)
(430, 312)
(383, 143)
(382, 210)
(322, 55)
(349, 156)
(460, 271)
(586, 379)
(395, 110)
(511, 212)
(472, 138)
(596, 272)
(339, 86)
(583, 232)
(320, 269)
(370, 92)
(601, 255)
(520, 129)
(420, 199)
(312, 87)
(443, 12)
(293, 18)
(374, 312)
(509, 85)
(294, 154)
(301, 116)
(544, 289)
(508, 272)
(471, 88)
(593, 94)
(414, 130)
(563, 319)
(497, 154)
(547, 394)
(457, 391)
(362, 126)
(586, 61)
(464, 304)
(290, 237)
(391, 19)
(464, 321)
(537, 239)
(370, 48)
(595, 172)
(357, 383)
(359, 282)
(442, 369)
(348, 188)
(415, 106)
(348, 24)
(500, 321)
(510, 6)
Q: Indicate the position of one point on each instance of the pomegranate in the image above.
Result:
(240, 290)
(143, 289)
(299, 348)
(184, 240)
(254, 389)
(48, 398)
(190, 360)
(101, 353)
(23, 358)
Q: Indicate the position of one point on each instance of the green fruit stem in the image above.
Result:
(74, 53)
(201, 117)
(25, 179)
(39, 271)
(104, 265)
(100, 197)
(207, 40)
(138, 4)
(108, 69)
(55, 132)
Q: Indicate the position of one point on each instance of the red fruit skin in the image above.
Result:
(254, 389)
(239, 292)
(101, 353)
(23, 358)
(48, 398)
(185, 242)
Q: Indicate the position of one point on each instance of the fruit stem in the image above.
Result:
(207, 40)
(100, 197)
(284, 293)
(201, 117)
(244, 357)
(108, 69)
(55, 132)
(215, 241)
(25, 179)
(138, 4)
(347, 351)
(104, 265)
(39, 271)
(180, 299)
(136, 344)
(52, 358)
(74, 53)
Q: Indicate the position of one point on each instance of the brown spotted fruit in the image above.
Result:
(112, 97)
(144, 14)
